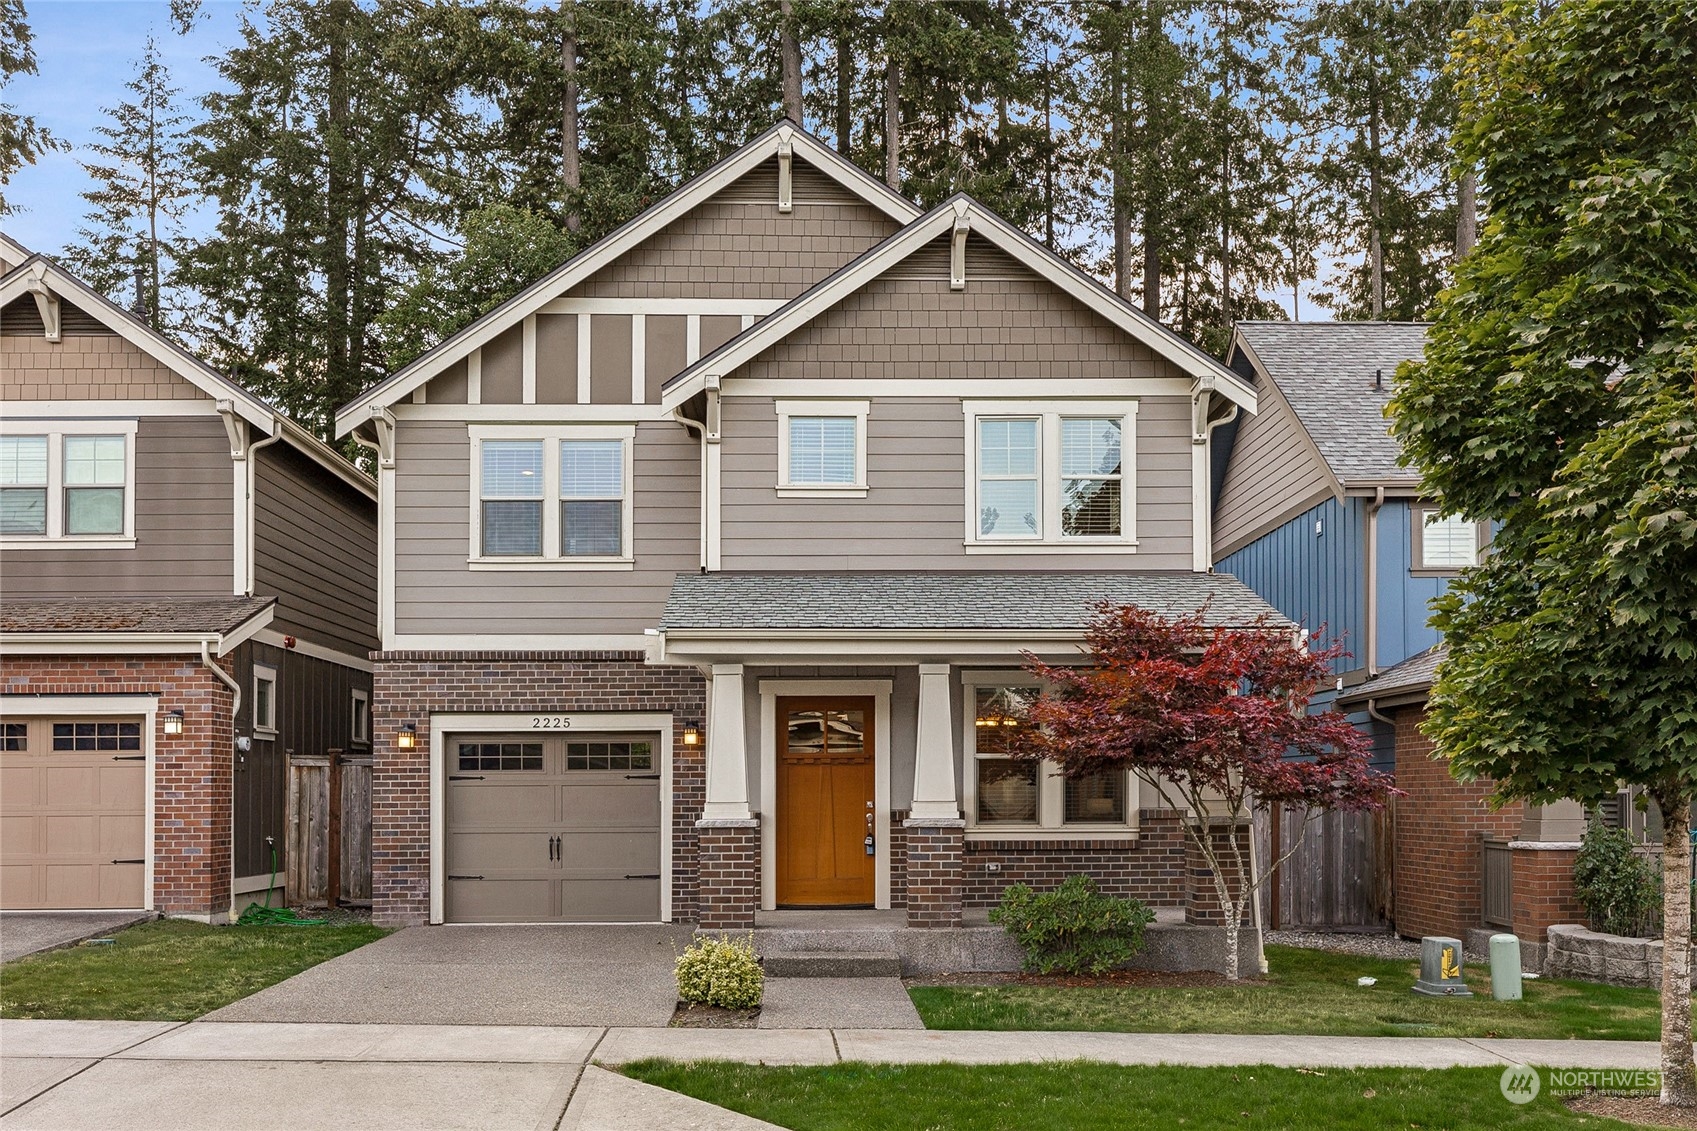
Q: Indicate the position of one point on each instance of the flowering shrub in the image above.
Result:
(723, 971)
(1074, 929)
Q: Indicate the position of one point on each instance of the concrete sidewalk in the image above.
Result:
(143, 1075)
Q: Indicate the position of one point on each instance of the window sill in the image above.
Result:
(822, 491)
(1068, 547)
(111, 542)
(1065, 832)
(265, 734)
(1436, 571)
(564, 565)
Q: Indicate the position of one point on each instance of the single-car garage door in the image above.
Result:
(73, 824)
(553, 830)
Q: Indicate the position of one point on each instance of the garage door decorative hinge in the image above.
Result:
(465, 877)
(465, 777)
(642, 777)
(644, 876)
(129, 757)
(137, 860)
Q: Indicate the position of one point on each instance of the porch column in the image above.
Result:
(729, 834)
(935, 831)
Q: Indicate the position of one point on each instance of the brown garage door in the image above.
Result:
(72, 813)
(553, 830)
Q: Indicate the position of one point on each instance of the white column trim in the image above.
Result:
(934, 793)
(385, 553)
(583, 354)
(473, 378)
(638, 358)
(727, 747)
(692, 339)
(529, 339)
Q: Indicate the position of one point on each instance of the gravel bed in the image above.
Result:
(1367, 945)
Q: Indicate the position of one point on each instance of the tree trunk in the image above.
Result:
(571, 143)
(1048, 151)
(789, 51)
(339, 380)
(845, 90)
(1375, 239)
(1153, 138)
(892, 123)
(1117, 151)
(1466, 214)
(1679, 1082)
(1226, 314)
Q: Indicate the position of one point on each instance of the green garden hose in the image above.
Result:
(269, 916)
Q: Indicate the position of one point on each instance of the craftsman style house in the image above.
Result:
(1314, 511)
(189, 595)
(709, 560)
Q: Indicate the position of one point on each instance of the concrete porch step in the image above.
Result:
(834, 964)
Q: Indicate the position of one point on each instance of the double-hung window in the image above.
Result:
(822, 448)
(1015, 797)
(68, 483)
(1052, 474)
(552, 497)
(1445, 543)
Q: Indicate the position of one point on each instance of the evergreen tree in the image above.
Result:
(22, 139)
(141, 187)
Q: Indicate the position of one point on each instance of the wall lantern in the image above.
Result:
(692, 734)
(407, 737)
(174, 721)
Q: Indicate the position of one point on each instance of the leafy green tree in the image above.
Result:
(1557, 395)
(141, 188)
(22, 139)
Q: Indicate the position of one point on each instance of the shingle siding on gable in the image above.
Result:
(86, 368)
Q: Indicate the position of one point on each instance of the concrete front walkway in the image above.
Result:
(26, 932)
(302, 1077)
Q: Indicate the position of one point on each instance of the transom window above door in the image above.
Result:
(1050, 474)
(822, 448)
(67, 484)
(552, 498)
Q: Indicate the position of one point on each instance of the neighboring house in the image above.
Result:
(189, 596)
(1314, 511)
(709, 562)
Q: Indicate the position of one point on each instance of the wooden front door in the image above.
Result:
(825, 781)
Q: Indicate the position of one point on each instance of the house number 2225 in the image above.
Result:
(550, 722)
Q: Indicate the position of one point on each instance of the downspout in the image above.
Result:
(224, 677)
(1372, 632)
(1373, 712)
(700, 431)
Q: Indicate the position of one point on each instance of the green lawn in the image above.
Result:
(170, 970)
(1065, 1097)
(1309, 991)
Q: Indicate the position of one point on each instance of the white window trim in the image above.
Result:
(1051, 793)
(1049, 415)
(550, 436)
(1417, 543)
(265, 673)
(858, 410)
(56, 538)
(359, 708)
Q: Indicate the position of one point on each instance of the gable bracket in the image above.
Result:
(786, 162)
(710, 429)
(45, 301)
(957, 248)
(384, 421)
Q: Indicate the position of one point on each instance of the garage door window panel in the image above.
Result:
(15, 736)
(84, 736)
(501, 756)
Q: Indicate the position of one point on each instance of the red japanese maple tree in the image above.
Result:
(1216, 720)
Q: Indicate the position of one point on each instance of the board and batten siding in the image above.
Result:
(1273, 471)
(184, 502)
(436, 591)
(315, 550)
(914, 512)
(1405, 597)
(1313, 569)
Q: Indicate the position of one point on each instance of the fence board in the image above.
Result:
(1339, 875)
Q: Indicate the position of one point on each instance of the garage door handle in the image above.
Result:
(137, 860)
(465, 877)
(644, 876)
(642, 777)
(129, 757)
(465, 777)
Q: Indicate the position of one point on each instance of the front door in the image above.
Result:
(825, 782)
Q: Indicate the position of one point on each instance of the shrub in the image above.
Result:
(1615, 885)
(1074, 929)
(723, 971)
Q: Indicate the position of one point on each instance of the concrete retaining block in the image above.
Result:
(1593, 956)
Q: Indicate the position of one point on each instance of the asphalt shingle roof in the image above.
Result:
(948, 601)
(1414, 674)
(1326, 370)
(213, 616)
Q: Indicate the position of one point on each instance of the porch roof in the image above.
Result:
(133, 625)
(998, 601)
(1407, 682)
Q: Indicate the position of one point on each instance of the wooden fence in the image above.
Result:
(1339, 877)
(329, 829)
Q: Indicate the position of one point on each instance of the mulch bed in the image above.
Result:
(698, 1015)
(1148, 979)
(1646, 1110)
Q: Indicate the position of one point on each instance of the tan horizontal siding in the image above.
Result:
(1273, 470)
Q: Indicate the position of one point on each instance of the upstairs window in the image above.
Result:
(70, 483)
(1049, 475)
(1446, 543)
(554, 497)
(822, 448)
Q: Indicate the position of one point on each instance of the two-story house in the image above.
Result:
(188, 595)
(710, 560)
(1314, 511)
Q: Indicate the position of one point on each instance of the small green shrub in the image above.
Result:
(1615, 885)
(1074, 929)
(723, 971)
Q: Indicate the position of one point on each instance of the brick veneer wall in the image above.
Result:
(410, 686)
(933, 873)
(1151, 868)
(730, 875)
(898, 858)
(193, 771)
(1543, 892)
(1439, 872)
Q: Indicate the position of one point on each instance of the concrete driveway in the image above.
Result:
(548, 975)
(25, 932)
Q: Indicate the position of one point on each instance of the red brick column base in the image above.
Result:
(1201, 898)
(935, 878)
(730, 874)
(1542, 888)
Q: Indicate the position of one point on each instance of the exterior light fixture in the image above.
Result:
(174, 721)
(407, 737)
(692, 734)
